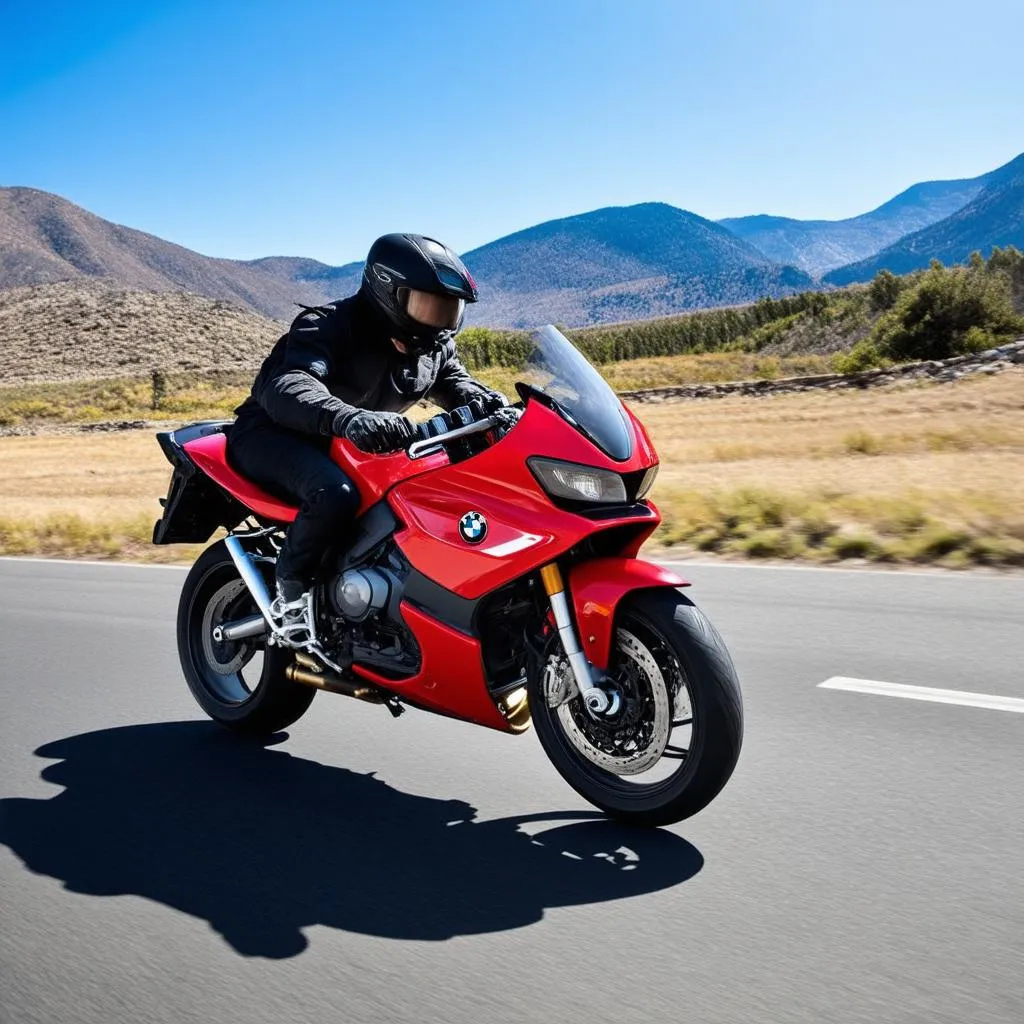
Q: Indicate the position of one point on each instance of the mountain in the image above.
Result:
(995, 216)
(816, 246)
(612, 264)
(620, 263)
(85, 328)
(44, 238)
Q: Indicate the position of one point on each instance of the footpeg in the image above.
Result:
(293, 620)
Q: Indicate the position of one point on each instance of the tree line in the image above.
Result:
(930, 314)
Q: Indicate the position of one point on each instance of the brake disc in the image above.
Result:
(227, 657)
(643, 734)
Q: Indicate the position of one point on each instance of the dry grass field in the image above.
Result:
(83, 496)
(916, 474)
(926, 473)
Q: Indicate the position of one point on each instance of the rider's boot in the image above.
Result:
(292, 612)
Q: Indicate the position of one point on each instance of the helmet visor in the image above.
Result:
(440, 311)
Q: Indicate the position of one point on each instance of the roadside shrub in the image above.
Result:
(816, 526)
(776, 543)
(853, 545)
(766, 369)
(862, 443)
(937, 542)
(865, 355)
(996, 551)
(947, 312)
(977, 339)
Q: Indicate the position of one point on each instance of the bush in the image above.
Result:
(948, 311)
(865, 355)
(773, 543)
(977, 339)
(938, 541)
(853, 545)
(862, 443)
(884, 290)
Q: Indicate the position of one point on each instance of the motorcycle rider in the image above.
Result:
(350, 369)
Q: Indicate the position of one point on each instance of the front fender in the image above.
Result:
(598, 586)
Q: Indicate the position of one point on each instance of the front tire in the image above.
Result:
(666, 654)
(242, 684)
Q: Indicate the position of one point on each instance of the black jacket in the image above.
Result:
(338, 359)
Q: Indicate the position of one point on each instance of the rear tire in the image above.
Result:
(214, 593)
(691, 653)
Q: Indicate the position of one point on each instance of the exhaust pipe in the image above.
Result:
(334, 684)
(251, 577)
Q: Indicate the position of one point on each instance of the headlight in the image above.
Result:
(570, 481)
(647, 483)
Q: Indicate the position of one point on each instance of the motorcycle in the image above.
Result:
(491, 576)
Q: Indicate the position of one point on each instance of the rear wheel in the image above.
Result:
(240, 684)
(676, 738)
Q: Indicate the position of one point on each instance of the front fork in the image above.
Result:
(597, 701)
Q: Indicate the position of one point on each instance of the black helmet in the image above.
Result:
(420, 286)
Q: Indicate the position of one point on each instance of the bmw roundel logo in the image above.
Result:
(473, 527)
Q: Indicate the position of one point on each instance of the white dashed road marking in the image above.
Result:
(936, 696)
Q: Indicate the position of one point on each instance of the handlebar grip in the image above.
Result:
(505, 417)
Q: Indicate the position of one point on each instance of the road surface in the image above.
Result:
(865, 863)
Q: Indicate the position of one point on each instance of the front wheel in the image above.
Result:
(676, 738)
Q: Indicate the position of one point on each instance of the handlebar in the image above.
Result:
(420, 448)
(501, 418)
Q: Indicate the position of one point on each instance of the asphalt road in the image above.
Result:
(865, 863)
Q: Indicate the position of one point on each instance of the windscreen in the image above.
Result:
(553, 365)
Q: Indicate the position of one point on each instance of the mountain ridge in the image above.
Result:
(45, 238)
(614, 263)
(620, 262)
(818, 246)
(606, 264)
(994, 217)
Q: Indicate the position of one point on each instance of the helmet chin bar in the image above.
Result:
(427, 340)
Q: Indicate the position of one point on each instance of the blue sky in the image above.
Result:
(308, 127)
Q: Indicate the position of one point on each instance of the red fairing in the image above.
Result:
(451, 676)
(644, 448)
(210, 455)
(374, 475)
(598, 586)
(525, 530)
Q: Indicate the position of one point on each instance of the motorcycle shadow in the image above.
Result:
(262, 844)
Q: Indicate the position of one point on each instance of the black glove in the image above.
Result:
(492, 401)
(378, 432)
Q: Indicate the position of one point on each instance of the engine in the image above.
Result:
(366, 626)
(359, 593)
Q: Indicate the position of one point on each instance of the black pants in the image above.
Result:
(296, 468)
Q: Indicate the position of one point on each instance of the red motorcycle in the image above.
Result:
(492, 576)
